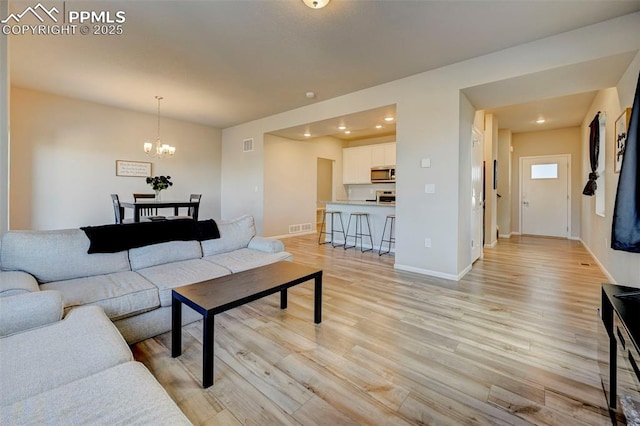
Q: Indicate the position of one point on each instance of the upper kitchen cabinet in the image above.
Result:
(358, 161)
(356, 165)
(383, 154)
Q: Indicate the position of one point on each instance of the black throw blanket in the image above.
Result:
(115, 238)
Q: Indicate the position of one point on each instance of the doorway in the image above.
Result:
(545, 195)
(477, 195)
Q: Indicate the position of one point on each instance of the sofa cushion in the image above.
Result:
(120, 295)
(158, 254)
(16, 282)
(57, 255)
(126, 394)
(43, 358)
(243, 259)
(176, 274)
(234, 234)
(30, 310)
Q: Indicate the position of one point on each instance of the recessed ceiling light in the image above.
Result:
(388, 119)
(307, 134)
(346, 132)
(316, 4)
(379, 126)
(540, 120)
(310, 95)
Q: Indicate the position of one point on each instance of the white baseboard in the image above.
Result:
(602, 268)
(504, 235)
(492, 245)
(297, 234)
(431, 273)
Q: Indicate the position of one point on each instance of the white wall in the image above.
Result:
(64, 153)
(4, 125)
(621, 267)
(550, 142)
(504, 183)
(428, 125)
(290, 174)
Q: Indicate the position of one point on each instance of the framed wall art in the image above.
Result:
(133, 168)
(621, 127)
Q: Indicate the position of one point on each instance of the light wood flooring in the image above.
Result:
(514, 342)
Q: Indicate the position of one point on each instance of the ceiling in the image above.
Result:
(223, 63)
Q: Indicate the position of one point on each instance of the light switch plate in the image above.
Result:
(426, 162)
(430, 188)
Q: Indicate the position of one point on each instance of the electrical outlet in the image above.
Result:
(427, 242)
(425, 163)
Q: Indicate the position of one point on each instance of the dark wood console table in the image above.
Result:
(620, 372)
(221, 294)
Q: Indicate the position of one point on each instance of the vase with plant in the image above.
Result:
(158, 183)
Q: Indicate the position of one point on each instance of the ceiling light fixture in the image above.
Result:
(310, 95)
(540, 120)
(307, 134)
(316, 4)
(379, 126)
(347, 132)
(342, 127)
(161, 149)
(388, 119)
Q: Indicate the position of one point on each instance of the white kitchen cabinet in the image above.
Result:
(383, 154)
(356, 165)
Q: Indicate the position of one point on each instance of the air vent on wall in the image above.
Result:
(294, 229)
(247, 145)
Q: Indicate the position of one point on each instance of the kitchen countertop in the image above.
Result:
(360, 203)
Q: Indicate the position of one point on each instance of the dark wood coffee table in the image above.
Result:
(221, 294)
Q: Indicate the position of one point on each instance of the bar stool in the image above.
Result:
(334, 230)
(359, 231)
(391, 219)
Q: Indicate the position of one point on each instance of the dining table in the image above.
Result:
(136, 206)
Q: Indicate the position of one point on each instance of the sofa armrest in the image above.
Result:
(25, 311)
(16, 282)
(266, 245)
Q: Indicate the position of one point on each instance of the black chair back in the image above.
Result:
(193, 212)
(118, 210)
(145, 211)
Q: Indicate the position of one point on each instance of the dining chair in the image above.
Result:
(192, 211)
(118, 210)
(149, 212)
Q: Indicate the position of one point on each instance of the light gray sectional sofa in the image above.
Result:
(80, 370)
(133, 286)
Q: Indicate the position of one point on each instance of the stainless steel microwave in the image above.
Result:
(383, 174)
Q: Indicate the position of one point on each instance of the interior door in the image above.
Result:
(545, 195)
(477, 196)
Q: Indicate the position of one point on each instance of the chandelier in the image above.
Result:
(160, 150)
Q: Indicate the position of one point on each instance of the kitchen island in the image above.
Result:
(377, 214)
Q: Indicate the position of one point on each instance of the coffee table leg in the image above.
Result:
(283, 299)
(317, 299)
(176, 327)
(207, 351)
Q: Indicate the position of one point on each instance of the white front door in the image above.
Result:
(477, 196)
(545, 195)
